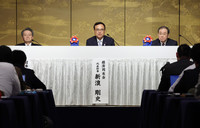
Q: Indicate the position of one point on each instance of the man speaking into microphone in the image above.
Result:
(100, 39)
(27, 36)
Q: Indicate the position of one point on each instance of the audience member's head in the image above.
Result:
(5, 54)
(183, 52)
(19, 57)
(195, 54)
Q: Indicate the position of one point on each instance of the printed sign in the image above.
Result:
(100, 81)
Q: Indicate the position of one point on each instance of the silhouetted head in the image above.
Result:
(19, 57)
(5, 54)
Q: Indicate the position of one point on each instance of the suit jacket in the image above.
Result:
(107, 41)
(188, 81)
(169, 42)
(31, 79)
(23, 44)
(172, 69)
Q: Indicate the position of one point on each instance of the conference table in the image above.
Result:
(67, 70)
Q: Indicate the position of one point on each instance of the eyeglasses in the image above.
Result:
(99, 29)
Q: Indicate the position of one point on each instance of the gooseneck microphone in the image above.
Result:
(113, 39)
(35, 41)
(186, 40)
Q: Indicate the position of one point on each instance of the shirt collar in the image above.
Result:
(100, 42)
(163, 43)
(28, 44)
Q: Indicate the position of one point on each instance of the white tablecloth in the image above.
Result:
(67, 71)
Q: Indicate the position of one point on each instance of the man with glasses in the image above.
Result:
(163, 38)
(100, 39)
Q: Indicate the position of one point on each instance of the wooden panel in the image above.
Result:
(86, 12)
(127, 21)
(50, 20)
(8, 22)
(146, 16)
(190, 21)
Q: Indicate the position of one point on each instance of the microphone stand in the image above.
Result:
(186, 40)
(113, 39)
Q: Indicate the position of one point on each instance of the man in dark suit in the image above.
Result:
(27, 36)
(190, 77)
(183, 61)
(163, 38)
(100, 39)
(19, 59)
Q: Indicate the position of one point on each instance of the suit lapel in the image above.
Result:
(95, 40)
(158, 42)
(167, 43)
(104, 41)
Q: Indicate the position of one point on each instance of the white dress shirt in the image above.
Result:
(163, 44)
(28, 44)
(100, 42)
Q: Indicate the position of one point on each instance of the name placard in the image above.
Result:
(100, 81)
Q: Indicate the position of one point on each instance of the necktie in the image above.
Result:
(99, 43)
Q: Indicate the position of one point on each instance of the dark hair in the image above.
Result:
(168, 31)
(97, 23)
(5, 54)
(19, 57)
(195, 53)
(184, 50)
(29, 29)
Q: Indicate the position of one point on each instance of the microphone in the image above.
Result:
(186, 40)
(113, 39)
(35, 41)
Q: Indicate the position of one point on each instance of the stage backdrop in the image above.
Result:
(127, 21)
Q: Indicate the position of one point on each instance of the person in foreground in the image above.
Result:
(171, 89)
(100, 39)
(19, 59)
(9, 82)
(27, 36)
(197, 88)
(190, 77)
(183, 61)
(163, 38)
